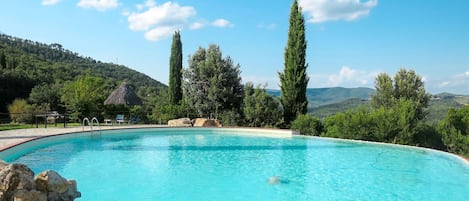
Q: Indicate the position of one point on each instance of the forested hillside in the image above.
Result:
(25, 64)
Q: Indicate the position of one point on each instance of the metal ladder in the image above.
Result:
(86, 120)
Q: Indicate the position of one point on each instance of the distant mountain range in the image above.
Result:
(324, 96)
(325, 102)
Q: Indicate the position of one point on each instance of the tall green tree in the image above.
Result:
(3, 60)
(175, 70)
(407, 85)
(84, 97)
(212, 84)
(294, 80)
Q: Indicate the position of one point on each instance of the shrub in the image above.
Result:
(19, 111)
(308, 125)
(455, 131)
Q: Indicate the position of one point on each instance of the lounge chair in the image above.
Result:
(120, 118)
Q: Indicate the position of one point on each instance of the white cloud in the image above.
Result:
(346, 77)
(196, 25)
(454, 84)
(222, 23)
(345, 74)
(161, 32)
(50, 2)
(160, 21)
(100, 5)
(318, 11)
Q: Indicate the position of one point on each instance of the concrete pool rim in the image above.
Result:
(246, 131)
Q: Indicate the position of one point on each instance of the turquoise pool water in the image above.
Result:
(206, 166)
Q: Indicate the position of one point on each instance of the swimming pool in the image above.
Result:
(217, 164)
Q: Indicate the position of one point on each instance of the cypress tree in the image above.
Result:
(3, 61)
(175, 70)
(294, 80)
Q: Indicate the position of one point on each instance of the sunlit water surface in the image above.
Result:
(206, 166)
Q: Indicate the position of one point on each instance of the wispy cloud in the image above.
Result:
(346, 77)
(318, 11)
(101, 5)
(159, 21)
(454, 84)
(49, 2)
(197, 25)
(222, 23)
(270, 26)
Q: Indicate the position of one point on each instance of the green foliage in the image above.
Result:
(231, 118)
(343, 106)
(308, 125)
(294, 79)
(175, 70)
(31, 63)
(3, 61)
(351, 125)
(455, 131)
(47, 94)
(84, 97)
(162, 111)
(407, 86)
(261, 109)
(212, 84)
(19, 111)
(397, 124)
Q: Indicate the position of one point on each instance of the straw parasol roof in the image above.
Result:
(124, 95)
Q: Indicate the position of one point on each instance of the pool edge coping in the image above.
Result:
(292, 133)
(462, 158)
(288, 132)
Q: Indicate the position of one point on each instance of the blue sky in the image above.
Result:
(349, 41)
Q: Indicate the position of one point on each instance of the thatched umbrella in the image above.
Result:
(124, 95)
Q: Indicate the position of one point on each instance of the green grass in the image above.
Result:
(12, 126)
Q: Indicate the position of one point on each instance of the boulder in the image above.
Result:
(15, 177)
(182, 122)
(56, 187)
(203, 122)
(17, 184)
(32, 195)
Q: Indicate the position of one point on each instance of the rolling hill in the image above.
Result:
(324, 96)
(25, 64)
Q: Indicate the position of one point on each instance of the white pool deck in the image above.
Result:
(11, 137)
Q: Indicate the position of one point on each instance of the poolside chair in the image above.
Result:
(120, 118)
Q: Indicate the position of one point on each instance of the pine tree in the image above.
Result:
(294, 79)
(175, 70)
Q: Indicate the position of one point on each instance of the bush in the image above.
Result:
(308, 125)
(455, 131)
(20, 111)
(231, 118)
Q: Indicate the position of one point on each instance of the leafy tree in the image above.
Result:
(84, 97)
(212, 84)
(308, 125)
(407, 86)
(294, 79)
(175, 70)
(455, 131)
(46, 93)
(260, 108)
